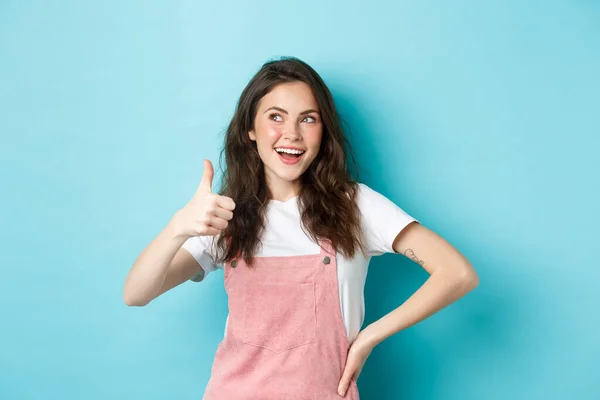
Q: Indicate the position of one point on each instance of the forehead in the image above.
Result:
(291, 96)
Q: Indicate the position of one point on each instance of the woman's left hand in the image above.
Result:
(357, 355)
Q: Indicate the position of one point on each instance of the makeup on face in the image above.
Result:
(287, 130)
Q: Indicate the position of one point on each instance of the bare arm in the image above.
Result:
(161, 266)
(451, 277)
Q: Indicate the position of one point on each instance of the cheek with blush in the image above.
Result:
(275, 131)
(313, 139)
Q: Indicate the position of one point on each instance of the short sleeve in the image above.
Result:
(202, 248)
(381, 220)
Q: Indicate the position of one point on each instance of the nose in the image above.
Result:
(292, 133)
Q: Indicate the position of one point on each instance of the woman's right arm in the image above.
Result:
(164, 264)
(161, 266)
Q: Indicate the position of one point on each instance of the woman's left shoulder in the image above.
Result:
(373, 203)
(366, 195)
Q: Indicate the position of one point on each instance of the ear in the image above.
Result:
(252, 135)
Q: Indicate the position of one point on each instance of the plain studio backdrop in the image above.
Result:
(479, 118)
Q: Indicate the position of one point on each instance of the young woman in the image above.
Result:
(293, 233)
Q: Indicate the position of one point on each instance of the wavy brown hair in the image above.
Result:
(328, 192)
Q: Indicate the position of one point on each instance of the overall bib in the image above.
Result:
(285, 338)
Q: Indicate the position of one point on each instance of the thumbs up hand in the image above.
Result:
(207, 213)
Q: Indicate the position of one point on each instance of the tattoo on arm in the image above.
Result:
(411, 254)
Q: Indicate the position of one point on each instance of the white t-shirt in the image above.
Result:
(381, 221)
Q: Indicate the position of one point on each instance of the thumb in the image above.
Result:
(207, 177)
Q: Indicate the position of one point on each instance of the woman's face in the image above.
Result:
(287, 119)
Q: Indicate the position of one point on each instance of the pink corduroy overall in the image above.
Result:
(285, 337)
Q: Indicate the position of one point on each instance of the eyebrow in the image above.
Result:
(285, 112)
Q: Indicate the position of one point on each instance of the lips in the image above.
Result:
(288, 161)
(289, 148)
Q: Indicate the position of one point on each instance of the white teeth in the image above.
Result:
(289, 151)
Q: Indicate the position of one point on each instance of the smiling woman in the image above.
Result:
(293, 232)
(286, 105)
(287, 115)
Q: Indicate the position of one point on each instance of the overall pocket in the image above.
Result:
(279, 316)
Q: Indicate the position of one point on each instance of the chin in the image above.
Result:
(288, 177)
(287, 173)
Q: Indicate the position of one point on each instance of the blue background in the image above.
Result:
(481, 119)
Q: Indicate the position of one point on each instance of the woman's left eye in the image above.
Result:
(277, 118)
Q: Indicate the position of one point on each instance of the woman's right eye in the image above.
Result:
(273, 116)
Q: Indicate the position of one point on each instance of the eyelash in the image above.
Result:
(279, 115)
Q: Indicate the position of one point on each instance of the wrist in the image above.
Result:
(174, 231)
(371, 335)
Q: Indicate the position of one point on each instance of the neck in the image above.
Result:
(283, 190)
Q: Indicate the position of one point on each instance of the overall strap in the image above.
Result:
(326, 247)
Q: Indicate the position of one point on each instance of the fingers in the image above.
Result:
(225, 202)
(207, 212)
(218, 223)
(219, 206)
(207, 178)
(210, 230)
(216, 216)
(223, 213)
(345, 381)
(205, 187)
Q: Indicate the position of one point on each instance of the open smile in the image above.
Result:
(289, 156)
